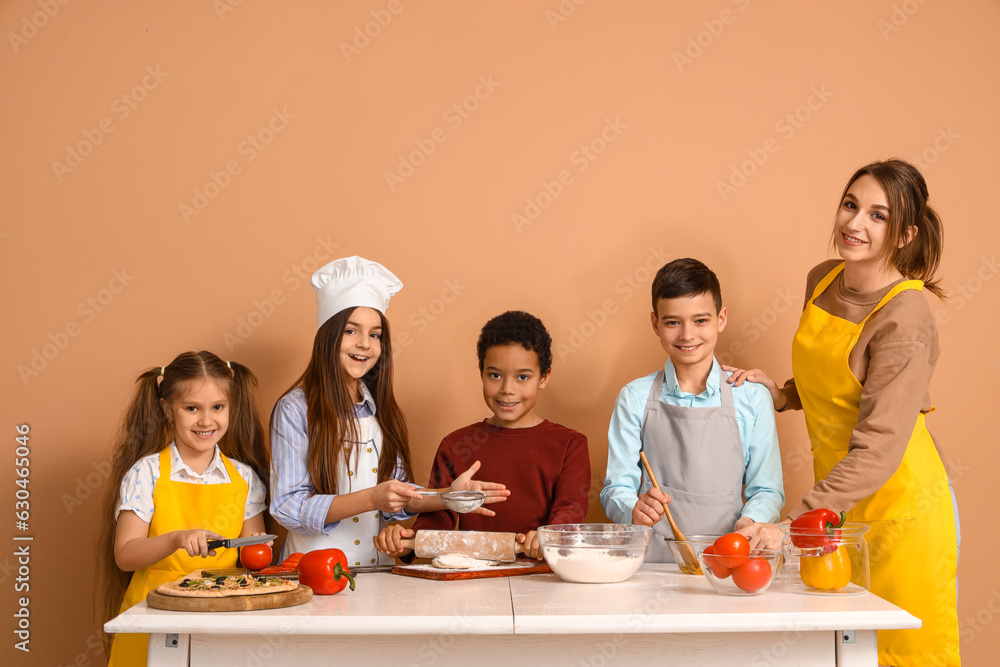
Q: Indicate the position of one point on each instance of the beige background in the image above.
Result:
(118, 115)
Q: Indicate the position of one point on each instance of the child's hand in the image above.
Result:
(389, 540)
(392, 495)
(532, 549)
(758, 376)
(760, 535)
(195, 542)
(648, 508)
(495, 493)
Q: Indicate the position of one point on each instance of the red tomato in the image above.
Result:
(753, 575)
(255, 556)
(718, 569)
(732, 550)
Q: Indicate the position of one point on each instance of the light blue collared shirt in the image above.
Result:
(294, 501)
(763, 486)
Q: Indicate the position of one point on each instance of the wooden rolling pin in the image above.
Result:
(475, 544)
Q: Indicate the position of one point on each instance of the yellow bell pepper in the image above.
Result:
(831, 571)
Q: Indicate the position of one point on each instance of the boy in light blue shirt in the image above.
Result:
(713, 447)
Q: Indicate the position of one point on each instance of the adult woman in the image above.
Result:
(862, 359)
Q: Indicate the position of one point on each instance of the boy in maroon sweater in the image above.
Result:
(545, 466)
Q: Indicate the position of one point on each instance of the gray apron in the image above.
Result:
(697, 457)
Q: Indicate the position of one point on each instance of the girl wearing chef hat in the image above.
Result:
(862, 360)
(340, 458)
(186, 469)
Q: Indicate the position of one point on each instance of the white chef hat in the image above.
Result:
(351, 282)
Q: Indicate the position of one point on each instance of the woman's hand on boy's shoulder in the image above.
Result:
(389, 541)
(739, 375)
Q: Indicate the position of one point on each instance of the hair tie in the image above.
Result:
(163, 371)
(229, 366)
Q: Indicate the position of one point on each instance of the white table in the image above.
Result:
(656, 617)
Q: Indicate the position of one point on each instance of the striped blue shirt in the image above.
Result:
(294, 501)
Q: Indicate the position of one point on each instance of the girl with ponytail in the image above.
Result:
(862, 361)
(186, 468)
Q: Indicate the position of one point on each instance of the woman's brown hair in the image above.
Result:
(907, 193)
(330, 407)
(145, 430)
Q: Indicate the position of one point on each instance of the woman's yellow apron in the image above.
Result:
(912, 537)
(181, 506)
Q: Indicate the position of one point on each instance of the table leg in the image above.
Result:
(862, 652)
(168, 650)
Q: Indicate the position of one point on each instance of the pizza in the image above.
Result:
(227, 586)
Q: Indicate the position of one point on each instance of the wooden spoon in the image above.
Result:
(689, 560)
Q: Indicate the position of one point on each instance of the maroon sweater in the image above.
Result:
(546, 467)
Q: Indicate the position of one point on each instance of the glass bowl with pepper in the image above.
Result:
(826, 555)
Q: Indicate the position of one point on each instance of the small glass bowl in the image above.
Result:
(851, 544)
(696, 543)
(769, 560)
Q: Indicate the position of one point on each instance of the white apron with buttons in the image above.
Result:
(358, 470)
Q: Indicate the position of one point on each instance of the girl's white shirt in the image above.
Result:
(136, 492)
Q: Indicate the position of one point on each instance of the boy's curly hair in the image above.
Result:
(516, 327)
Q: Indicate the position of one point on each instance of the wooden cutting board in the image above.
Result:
(516, 569)
(291, 598)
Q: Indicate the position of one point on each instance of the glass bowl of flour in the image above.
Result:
(594, 553)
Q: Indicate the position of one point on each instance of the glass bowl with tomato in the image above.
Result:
(829, 558)
(735, 572)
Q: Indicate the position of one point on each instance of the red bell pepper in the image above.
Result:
(325, 571)
(816, 529)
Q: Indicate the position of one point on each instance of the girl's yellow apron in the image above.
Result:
(912, 537)
(181, 506)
